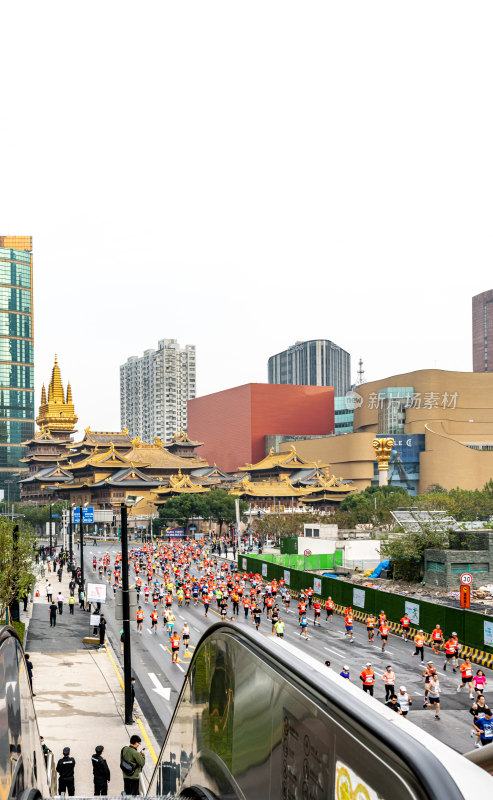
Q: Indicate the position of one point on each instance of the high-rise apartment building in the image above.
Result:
(319, 362)
(482, 331)
(155, 388)
(16, 359)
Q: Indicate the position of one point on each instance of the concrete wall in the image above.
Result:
(451, 580)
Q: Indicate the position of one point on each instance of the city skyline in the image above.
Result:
(249, 214)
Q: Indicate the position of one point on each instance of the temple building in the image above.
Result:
(50, 446)
(275, 465)
(181, 445)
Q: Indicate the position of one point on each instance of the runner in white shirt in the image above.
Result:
(404, 700)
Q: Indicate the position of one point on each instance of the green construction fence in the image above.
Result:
(473, 629)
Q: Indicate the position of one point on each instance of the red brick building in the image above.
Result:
(233, 424)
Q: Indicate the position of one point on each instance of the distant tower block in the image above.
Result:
(383, 449)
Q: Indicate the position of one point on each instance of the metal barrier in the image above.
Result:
(22, 763)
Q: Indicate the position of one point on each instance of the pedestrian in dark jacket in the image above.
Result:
(102, 629)
(100, 771)
(29, 665)
(65, 769)
(53, 609)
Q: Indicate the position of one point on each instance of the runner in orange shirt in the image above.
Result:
(419, 641)
(466, 672)
(384, 633)
(329, 608)
(370, 627)
(368, 678)
(437, 637)
(153, 616)
(348, 621)
(406, 624)
(450, 645)
(175, 646)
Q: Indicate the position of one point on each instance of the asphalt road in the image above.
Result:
(159, 682)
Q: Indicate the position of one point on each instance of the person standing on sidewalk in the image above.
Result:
(66, 770)
(29, 665)
(130, 754)
(49, 591)
(53, 609)
(60, 598)
(102, 629)
(100, 772)
(71, 604)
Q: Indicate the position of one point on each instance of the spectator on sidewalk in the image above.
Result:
(60, 598)
(25, 597)
(59, 572)
(29, 665)
(102, 629)
(46, 750)
(100, 772)
(53, 609)
(66, 770)
(131, 755)
(71, 603)
(81, 598)
(49, 591)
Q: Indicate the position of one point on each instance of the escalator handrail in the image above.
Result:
(419, 758)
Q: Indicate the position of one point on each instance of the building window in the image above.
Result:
(460, 567)
(435, 566)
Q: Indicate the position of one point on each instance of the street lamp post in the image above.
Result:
(127, 657)
(51, 523)
(70, 542)
(81, 534)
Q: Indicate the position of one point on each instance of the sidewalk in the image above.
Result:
(79, 699)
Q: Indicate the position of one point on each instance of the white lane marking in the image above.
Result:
(179, 667)
(337, 652)
(181, 617)
(148, 631)
(162, 645)
(196, 629)
(161, 690)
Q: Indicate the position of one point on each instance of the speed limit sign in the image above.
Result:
(466, 578)
(307, 553)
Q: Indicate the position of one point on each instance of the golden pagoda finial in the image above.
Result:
(56, 413)
(56, 384)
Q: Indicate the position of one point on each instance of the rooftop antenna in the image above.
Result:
(361, 372)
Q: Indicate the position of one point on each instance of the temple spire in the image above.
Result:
(57, 414)
(43, 395)
(69, 393)
(56, 384)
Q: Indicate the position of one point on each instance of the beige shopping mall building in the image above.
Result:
(445, 419)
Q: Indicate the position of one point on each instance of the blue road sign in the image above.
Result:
(87, 515)
(55, 516)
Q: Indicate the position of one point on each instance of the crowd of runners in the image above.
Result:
(168, 576)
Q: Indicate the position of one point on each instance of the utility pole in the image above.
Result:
(51, 523)
(81, 549)
(70, 541)
(127, 657)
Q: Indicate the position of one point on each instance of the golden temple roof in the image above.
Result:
(281, 488)
(57, 412)
(109, 458)
(182, 438)
(289, 460)
(156, 456)
(181, 484)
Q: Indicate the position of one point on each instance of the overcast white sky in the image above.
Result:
(240, 176)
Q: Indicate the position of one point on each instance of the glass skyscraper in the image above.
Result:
(16, 358)
(318, 362)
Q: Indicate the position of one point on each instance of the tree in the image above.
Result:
(217, 504)
(222, 507)
(278, 526)
(373, 505)
(16, 561)
(181, 508)
(406, 551)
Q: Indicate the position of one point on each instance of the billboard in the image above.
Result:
(404, 461)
